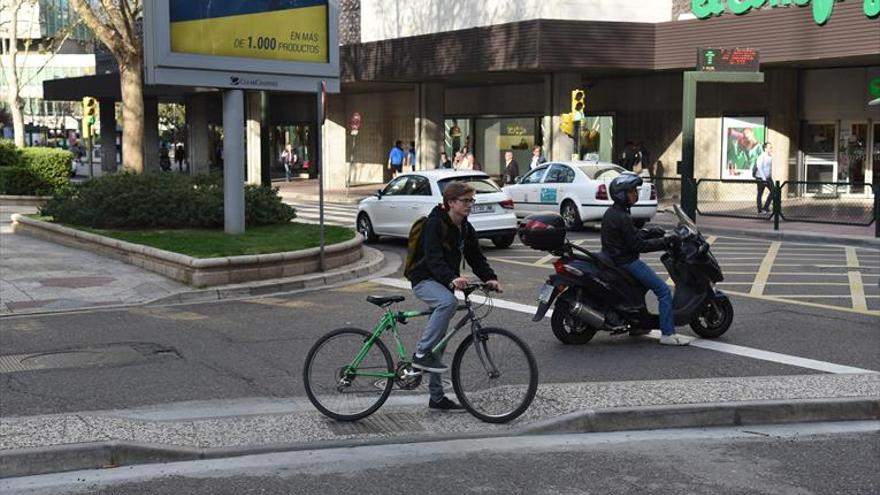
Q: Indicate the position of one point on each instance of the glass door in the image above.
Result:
(820, 161)
(852, 156)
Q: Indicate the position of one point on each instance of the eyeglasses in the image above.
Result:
(467, 201)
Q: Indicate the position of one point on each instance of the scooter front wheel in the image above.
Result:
(714, 319)
(567, 328)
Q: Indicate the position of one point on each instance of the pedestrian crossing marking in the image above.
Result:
(764, 270)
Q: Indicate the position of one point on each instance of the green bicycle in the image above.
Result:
(349, 372)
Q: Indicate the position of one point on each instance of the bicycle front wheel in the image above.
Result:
(338, 389)
(495, 377)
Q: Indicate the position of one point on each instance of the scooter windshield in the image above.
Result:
(684, 219)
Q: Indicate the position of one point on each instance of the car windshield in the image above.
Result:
(601, 172)
(479, 183)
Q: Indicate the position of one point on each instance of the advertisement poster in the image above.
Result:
(743, 139)
(285, 30)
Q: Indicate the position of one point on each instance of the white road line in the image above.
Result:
(774, 357)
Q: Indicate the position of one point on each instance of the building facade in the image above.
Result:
(48, 48)
(496, 77)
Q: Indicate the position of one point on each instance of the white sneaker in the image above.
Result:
(674, 339)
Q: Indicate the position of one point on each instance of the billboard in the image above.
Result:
(285, 45)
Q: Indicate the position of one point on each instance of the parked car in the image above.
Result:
(578, 190)
(408, 197)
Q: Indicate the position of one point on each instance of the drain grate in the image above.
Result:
(378, 424)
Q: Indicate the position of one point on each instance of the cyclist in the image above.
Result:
(447, 236)
(622, 242)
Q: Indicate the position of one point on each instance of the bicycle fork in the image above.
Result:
(480, 340)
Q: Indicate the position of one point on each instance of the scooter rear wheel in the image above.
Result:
(567, 328)
(715, 318)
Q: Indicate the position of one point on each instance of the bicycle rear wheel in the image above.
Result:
(337, 390)
(500, 386)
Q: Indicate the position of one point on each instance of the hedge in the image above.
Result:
(129, 201)
(48, 169)
(50, 164)
(10, 156)
(22, 181)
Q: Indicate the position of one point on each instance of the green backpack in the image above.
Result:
(414, 241)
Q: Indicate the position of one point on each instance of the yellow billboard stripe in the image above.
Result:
(764, 270)
(298, 35)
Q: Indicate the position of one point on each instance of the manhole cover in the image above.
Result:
(111, 355)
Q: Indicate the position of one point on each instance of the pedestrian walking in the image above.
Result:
(537, 158)
(411, 157)
(764, 176)
(644, 158)
(179, 154)
(629, 156)
(511, 169)
(288, 158)
(396, 157)
(444, 161)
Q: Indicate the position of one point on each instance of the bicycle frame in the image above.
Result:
(389, 322)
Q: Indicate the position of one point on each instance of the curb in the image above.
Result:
(350, 200)
(60, 458)
(372, 261)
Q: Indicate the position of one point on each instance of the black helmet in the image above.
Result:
(623, 183)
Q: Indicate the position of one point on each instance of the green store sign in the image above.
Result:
(821, 8)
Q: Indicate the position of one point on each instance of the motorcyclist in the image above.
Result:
(623, 242)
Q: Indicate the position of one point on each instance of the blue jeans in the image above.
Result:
(443, 302)
(648, 277)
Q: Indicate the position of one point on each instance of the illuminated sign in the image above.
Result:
(294, 30)
(280, 45)
(822, 9)
(727, 59)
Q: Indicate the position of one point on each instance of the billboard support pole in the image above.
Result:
(233, 161)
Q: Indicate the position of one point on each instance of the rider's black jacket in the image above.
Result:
(443, 245)
(622, 241)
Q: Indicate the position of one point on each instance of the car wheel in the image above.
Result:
(365, 228)
(571, 216)
(503, 241)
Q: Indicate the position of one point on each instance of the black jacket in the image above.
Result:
(442, 247)
(622, 241)
(511, 172)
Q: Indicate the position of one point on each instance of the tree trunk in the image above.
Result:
(132, 116)
(13, 95)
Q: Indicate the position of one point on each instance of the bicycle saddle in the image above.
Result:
(384, 300)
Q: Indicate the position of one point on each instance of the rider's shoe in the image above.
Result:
(444, 404)
(674, 339)
(428, 362)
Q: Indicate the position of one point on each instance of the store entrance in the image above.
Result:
(302, 140)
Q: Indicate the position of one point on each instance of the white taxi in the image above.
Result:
(577, 190)
(408, 197)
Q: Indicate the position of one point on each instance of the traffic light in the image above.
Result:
(90, 109)
(578, 103)
(90, 114)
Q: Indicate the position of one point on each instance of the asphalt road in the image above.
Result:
(256, 347)
(794, 459)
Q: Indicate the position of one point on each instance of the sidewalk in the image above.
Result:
(38, 276)
(226, 428)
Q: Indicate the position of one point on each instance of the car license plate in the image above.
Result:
(544, 295)
(483, 209)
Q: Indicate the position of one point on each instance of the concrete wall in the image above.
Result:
(387, 117)
(832, 94)
(386, 19)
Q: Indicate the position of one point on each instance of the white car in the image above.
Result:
(408, 197)
(577, 190)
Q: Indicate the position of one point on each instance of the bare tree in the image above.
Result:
(9, 47)
(16, 78)
(115, 22)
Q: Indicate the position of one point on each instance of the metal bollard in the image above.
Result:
(777, 205)
(876, 208)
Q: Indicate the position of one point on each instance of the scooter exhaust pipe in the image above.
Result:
(587, 315)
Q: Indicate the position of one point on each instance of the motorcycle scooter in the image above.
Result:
(592, 294)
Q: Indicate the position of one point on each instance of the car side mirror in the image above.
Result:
(517, 179)
(379, 193)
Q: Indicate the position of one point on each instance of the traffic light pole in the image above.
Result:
(577, 139)
(688, 126)
(89, 151)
